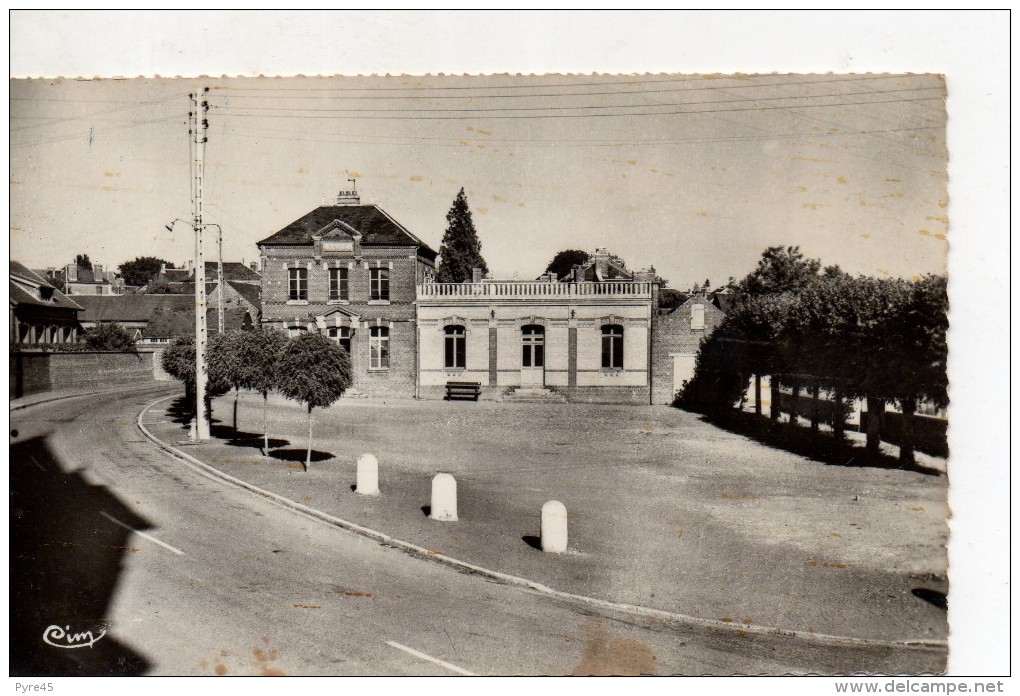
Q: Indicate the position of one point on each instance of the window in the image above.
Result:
(379, 284)
(455, 347)
(612, 346)
(379, 348)
(99, 289)
(338, 287)
(298, 284)
(697, 316)
(342, 336)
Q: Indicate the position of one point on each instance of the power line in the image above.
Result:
(85, 117)
(97, 130)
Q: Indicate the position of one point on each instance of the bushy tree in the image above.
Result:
(461, 249)
(255, 367)
(109, 337)
(314, 371)
(780, 270)
(83, 261)
(179, 362)
(225, 366)
(142, 270)
(563, 263)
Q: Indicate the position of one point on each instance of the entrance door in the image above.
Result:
(532, 356)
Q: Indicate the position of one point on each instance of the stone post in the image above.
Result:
(554, 527)
(368, 475)
(444, 498)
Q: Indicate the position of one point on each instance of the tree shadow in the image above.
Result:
(933, 597)
(241, 438)
(803, 441)
(532, 541)
(299, 455)
(68, 542)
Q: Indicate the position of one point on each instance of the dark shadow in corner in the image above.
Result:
(299, 455)
(933, 597)
(427, 509)
(802, 440)
(532, 541)
(66, 556)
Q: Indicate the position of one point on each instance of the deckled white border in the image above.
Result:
(971, 48)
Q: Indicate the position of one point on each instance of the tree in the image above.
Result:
(179, 362)
(314, 371)
(225, 362)
(142, 270)
(258, 354)
(461, 250)
(83, 261)
(563, 263)
(780, 270)
(109, 337)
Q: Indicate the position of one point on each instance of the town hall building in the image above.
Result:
(354, 274)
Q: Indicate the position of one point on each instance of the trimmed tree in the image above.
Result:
(258, 364)
(225, 362)
(461, 250)
(314, 371)
(179, 362)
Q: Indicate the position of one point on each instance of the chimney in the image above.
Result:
(162, 269)
(97, 272)
(71, 273)
(348, 198)
(645, 275)
(601, 263)
(254, 265)
(476, 275)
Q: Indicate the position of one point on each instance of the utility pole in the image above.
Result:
(219, 279)
(197, 135)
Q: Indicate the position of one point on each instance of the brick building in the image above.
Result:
(677, 336)
(350, 271)
(38, 313)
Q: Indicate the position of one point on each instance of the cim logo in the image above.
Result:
(63, 638)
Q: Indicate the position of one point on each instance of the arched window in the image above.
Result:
(456, 347)
(612, 346)
(379, 348)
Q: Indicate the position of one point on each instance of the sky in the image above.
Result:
(112, 195)
(694, 175)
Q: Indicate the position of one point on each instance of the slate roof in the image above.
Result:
(375, 226)
(250, 292)
(124, 308)
(20, 296)
(232, 270)
(167, 323)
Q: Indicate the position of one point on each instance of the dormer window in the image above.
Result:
(697, 317)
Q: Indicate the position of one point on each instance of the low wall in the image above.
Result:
(32, 373)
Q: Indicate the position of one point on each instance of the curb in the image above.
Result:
(76, 395)
(507, 579)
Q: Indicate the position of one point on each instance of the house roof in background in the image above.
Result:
(116, 308)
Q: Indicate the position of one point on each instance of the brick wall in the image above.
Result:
(672, 333)
(398, 314)
(36, 372)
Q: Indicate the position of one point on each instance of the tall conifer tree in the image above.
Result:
(461, 249)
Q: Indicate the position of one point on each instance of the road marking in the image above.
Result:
(423, 656)
(154, 540)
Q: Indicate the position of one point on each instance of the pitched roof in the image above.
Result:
(250, 292)
(51, 297)
(375, 226)
(232, 270)
(167, 323)
(131, 307)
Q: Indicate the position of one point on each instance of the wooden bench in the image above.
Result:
(463, 390)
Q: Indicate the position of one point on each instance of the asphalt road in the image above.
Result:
(195, 577)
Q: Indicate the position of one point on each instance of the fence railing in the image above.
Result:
(525, 290)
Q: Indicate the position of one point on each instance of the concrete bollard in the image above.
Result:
(193, 430)
(444, 498)
(554, 527)
(368, 475)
